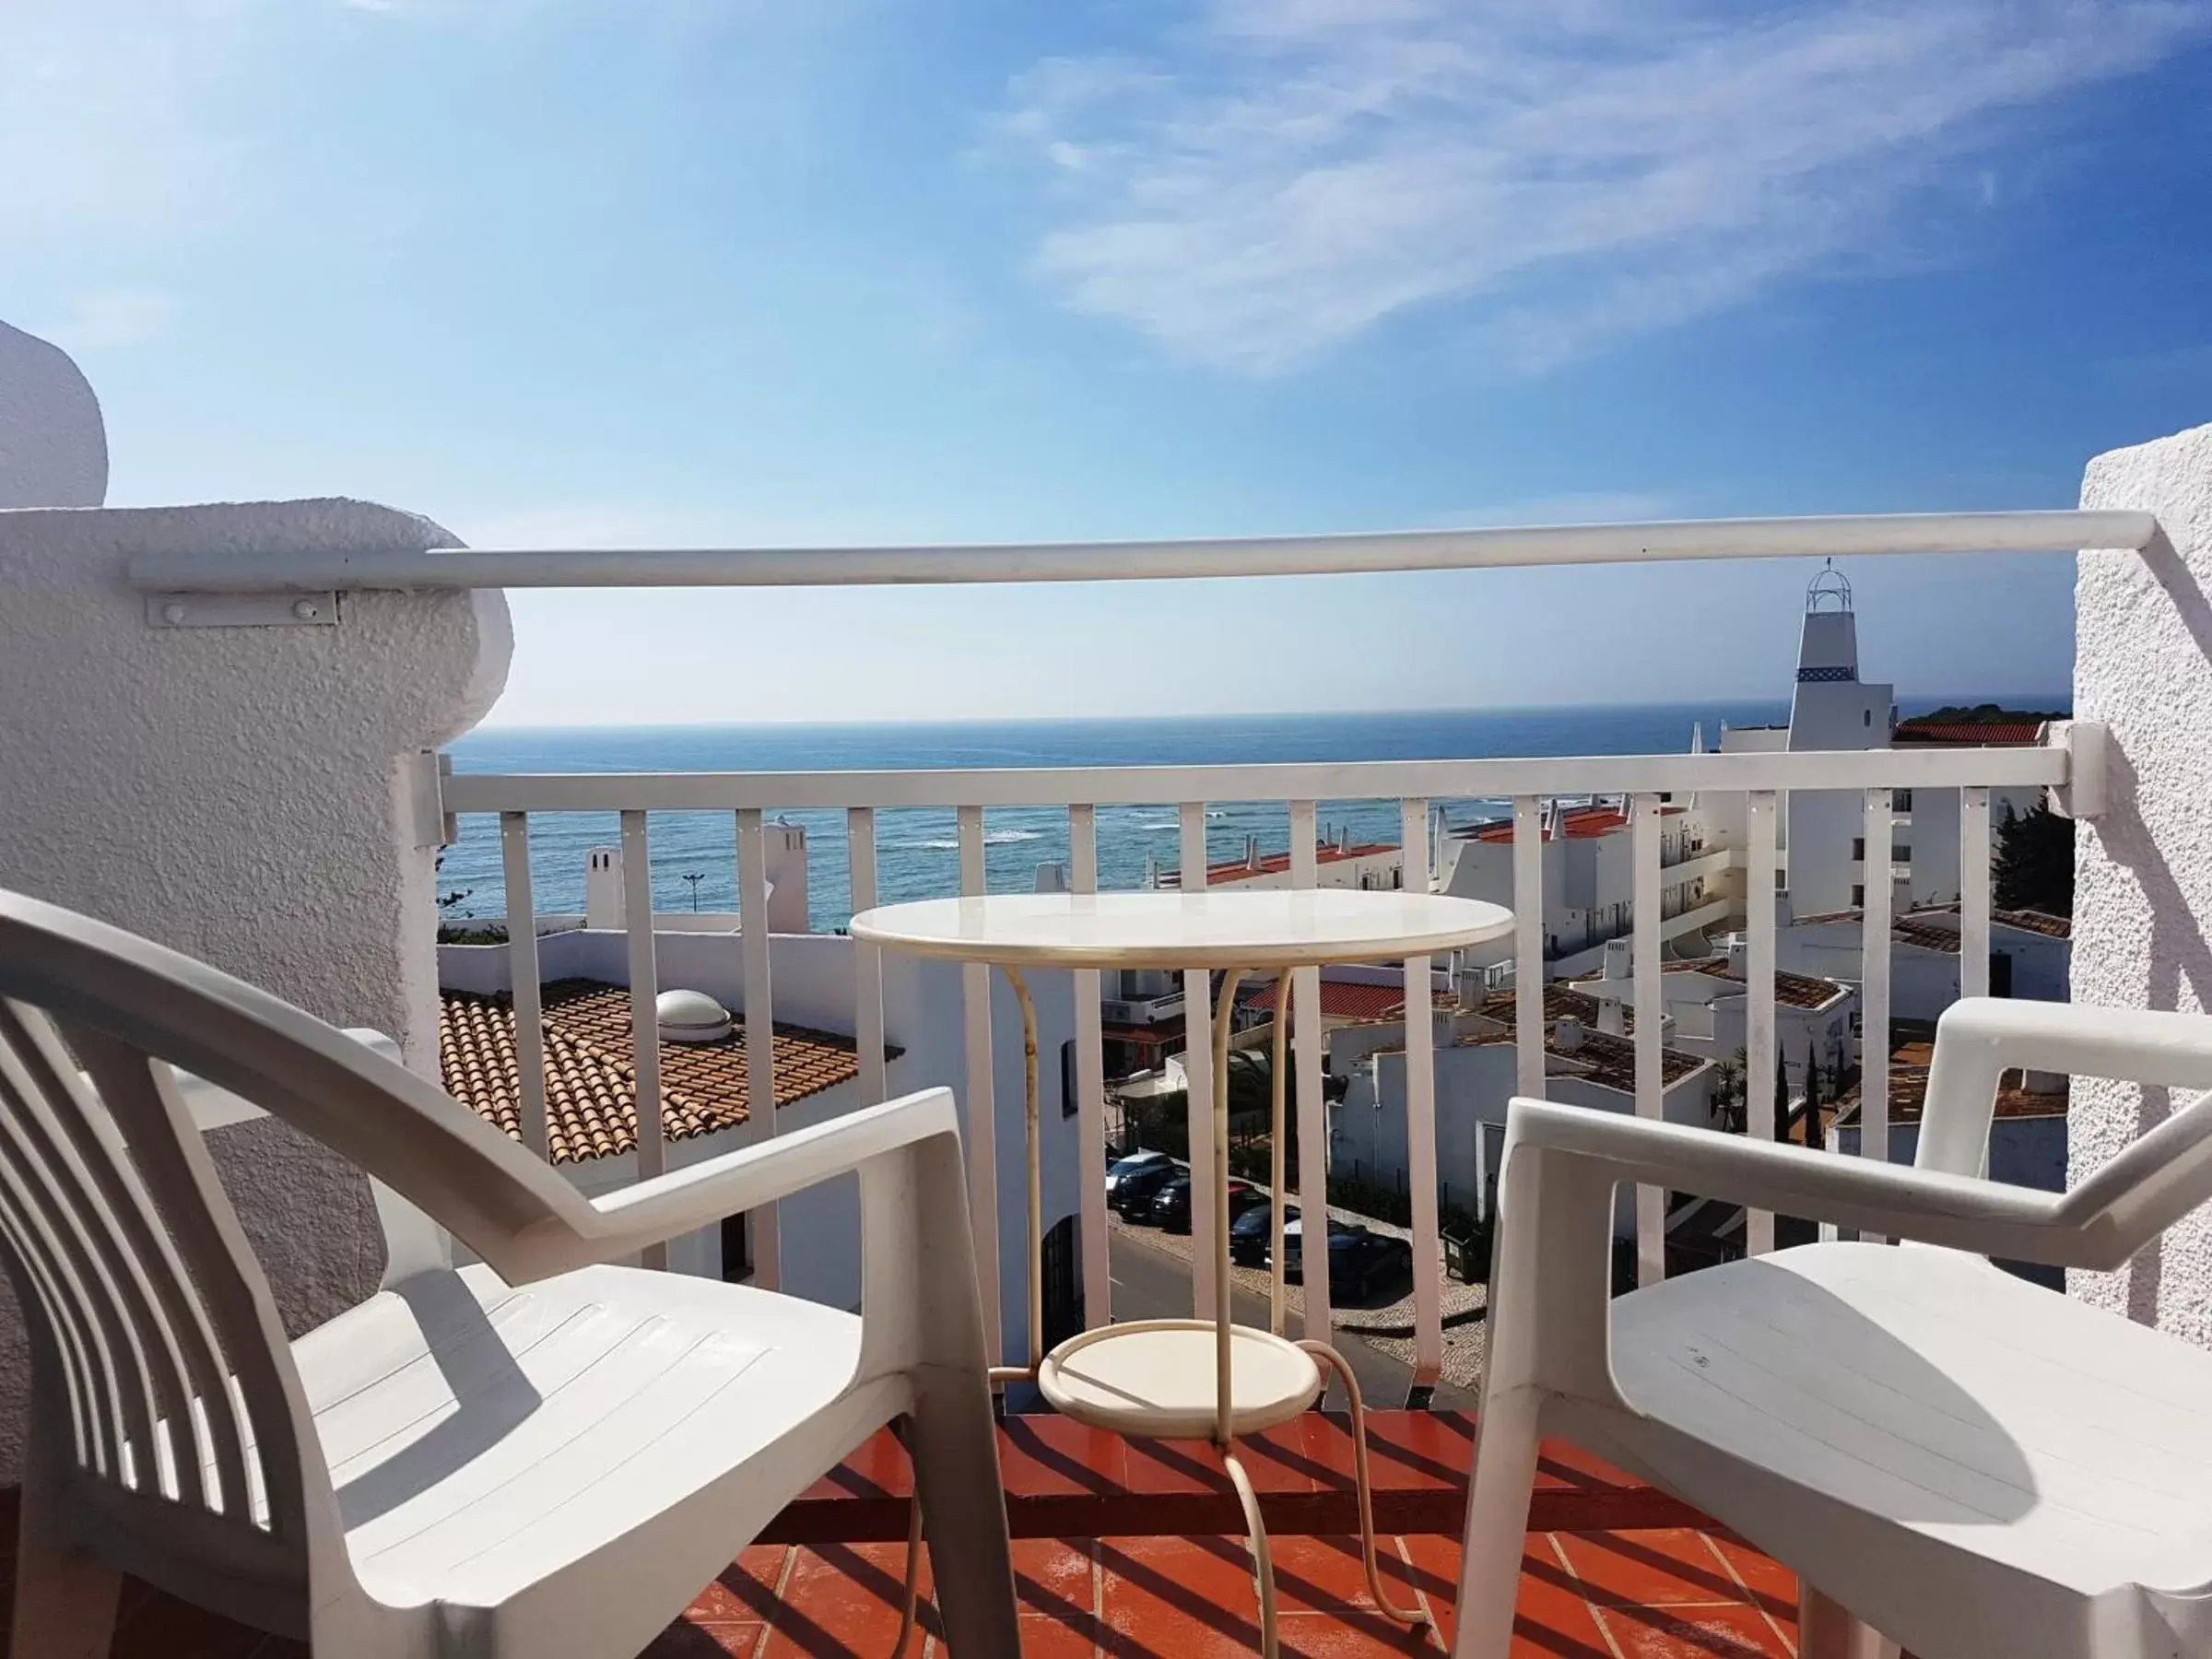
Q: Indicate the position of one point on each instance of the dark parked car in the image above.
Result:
(1294, 1249)
(1360, 1259)
(1249, 1233)
(1121, 1166)
(1172, 1204)
(1133, 1194)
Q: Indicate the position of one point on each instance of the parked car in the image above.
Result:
(1249, 1233)
(1172, 1204)
(1120, 1167)
(1360, 1259)
(1294, 1250)
(1133, 1193)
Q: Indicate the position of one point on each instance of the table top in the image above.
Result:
(1156, 1377)
(1254, 928)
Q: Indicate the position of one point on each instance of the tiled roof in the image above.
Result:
(1921, 927)
(1791, 990)
(1600, 1056)
(1994, 734)
(590, 1082)
(1275, 864)
(1577, 823)
(1340, 1000)
(1909, 1092)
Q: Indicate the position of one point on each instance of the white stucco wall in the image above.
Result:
(240, 794)
(53, 444)
(2143, 870)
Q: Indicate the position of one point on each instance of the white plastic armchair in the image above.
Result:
(1970, 1464)
(544, 1454)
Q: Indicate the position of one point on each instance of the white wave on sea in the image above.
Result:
(992, 837)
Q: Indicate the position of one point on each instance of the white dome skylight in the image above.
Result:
(690, 1017)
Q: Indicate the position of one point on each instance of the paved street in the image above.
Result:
(1149, 1283)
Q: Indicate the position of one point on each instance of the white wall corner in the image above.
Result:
(2142, 868)
(251, 795)
(53, 443)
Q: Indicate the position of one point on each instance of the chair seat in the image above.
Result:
(1926, 1390)
(483, 1437)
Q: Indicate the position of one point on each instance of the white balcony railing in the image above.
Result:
(177, 583)
(1763, 778)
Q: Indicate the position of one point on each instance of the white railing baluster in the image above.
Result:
(522, 960)
(1874, 995)
(1198, 1065)
(1420, 1117)
(867, 959)
(1974, 892)
(1651, 1083)
(982, 1113)
(1091, 1087)
(1306, 1057)
(644, 1020)
(1528, 948)
(762, 1233)
(1759, 1102)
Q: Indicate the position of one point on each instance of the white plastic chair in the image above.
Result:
(543, 1455)
(1969, 1463)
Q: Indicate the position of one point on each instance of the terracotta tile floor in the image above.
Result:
(1646, 1589)
(1642, 1595)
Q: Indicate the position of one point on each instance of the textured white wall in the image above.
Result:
(2142, 871)
(240, 794)
(53, 445)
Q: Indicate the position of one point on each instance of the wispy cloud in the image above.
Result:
(1282, 174)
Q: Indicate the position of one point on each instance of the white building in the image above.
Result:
(1707, 1008)
(2029, 955)
(1475, 1079)
(1589, 879)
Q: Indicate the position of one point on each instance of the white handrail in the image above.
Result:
(218, 570)
(1336, 780)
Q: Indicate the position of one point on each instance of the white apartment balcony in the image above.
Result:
(247, 765)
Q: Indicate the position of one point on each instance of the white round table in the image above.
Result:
(1182, 1377)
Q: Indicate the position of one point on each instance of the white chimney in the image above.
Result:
(1567, 1036)
(602, 888)
(1739, 958)
(1619, 959)
(784, 845)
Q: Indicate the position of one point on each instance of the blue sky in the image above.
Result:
(695, 272)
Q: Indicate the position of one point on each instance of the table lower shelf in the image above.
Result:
(1156, 1377)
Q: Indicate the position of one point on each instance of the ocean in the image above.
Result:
(918, 851)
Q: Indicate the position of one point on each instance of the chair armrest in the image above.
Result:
(686, 1200)
(1982, 1038)
(1931, 1207)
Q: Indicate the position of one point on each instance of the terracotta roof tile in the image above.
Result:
(591, 1083)
(2005, 734)
(1343, 1000)
(1609, 1060)
(1791, 990)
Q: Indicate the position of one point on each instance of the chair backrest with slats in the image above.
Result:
(174, 1432)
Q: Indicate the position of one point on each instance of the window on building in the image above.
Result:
(1067, 1080)
(737, 1251)
(1858, 849)
(1903, 799)
(1869, 714)
(1900, 854)
(1781, 878)
(1858, 896)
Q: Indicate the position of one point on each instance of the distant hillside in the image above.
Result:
(1984, 715)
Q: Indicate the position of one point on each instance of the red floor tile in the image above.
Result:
(744, 1592)
(687, 1639)
(1326, 1575)
(878, 1468)
(1053, 1639)
(1162, 1466)
(1562, 1464)
(1736, 1633)
(1664, 1568)
(1551, 1619)
(1055, 1578)
(1352, 1635)
(1041, 1455)
(844, 1599)
(1773, 1586)
(1178, 1598)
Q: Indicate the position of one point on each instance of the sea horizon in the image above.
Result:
(918, 849)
